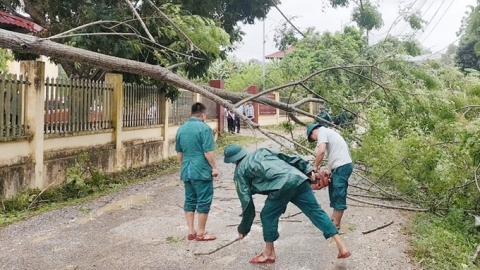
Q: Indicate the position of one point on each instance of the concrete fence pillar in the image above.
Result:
(311, 105)
(116, 82)
(253, 89)
(197, 97)
(165, 112)
(220, 109)
(277, 113)
(35, 94)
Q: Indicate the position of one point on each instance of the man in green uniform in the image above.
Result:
(324, 115)
(194, 144)
(283, 179)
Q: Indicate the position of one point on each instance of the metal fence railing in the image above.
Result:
(76, 105)
(141, 105)
(12, 106)
(181, 108)
(211, 108)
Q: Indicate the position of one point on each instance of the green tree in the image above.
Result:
(468, 51)
(285, 36)
(367, 16)
(5, 56)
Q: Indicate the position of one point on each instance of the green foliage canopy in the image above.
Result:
(200, 33)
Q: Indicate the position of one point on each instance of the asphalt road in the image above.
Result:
(143, 227)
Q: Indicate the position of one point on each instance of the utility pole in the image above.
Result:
(263, 56)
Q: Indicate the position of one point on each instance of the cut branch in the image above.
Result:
(378, 228)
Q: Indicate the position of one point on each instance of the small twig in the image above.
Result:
(374, 197)
(289, 220)
(215, 250)
(378, 228)
(38, 196)
(292, 215)
(476, 178)
(227, 199)
(475, 255)
(234, 225)
(389, 206)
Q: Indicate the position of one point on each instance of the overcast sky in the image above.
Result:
(444, 17)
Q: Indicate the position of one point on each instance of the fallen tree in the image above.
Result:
(30, 44)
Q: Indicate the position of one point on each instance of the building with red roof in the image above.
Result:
(280, 54)
(17, 24)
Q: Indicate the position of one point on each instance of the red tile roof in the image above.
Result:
(280, 54)
(9, 19)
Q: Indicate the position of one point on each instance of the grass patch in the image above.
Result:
(444, 242)
(82, 184)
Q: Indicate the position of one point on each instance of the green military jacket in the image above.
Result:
(324, 116)
(194, 138)
(269, 173)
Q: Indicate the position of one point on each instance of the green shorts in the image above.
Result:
(198, 196)
(337, 189)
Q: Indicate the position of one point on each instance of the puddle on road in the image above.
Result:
(124, 204)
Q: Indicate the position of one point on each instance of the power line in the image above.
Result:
(446, 46)
(415, 31)
(434, 15)
(288, 20)
(438, 21)
(406, 23)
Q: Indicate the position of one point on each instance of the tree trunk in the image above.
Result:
(26, 43)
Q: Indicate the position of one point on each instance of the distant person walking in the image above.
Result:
(250, 111)
(231, 121)
(240, 111)
(194, 144)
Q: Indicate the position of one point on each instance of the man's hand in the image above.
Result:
(312, 177)
(215, 172)
(241, 235)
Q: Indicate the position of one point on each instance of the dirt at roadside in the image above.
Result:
(143, 227)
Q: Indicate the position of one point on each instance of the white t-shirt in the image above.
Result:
(337, 147)
(240, 110)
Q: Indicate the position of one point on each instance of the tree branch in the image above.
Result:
(35, 14)
(388, 206)
(140, 20)
(164, 16)
(299, 82)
